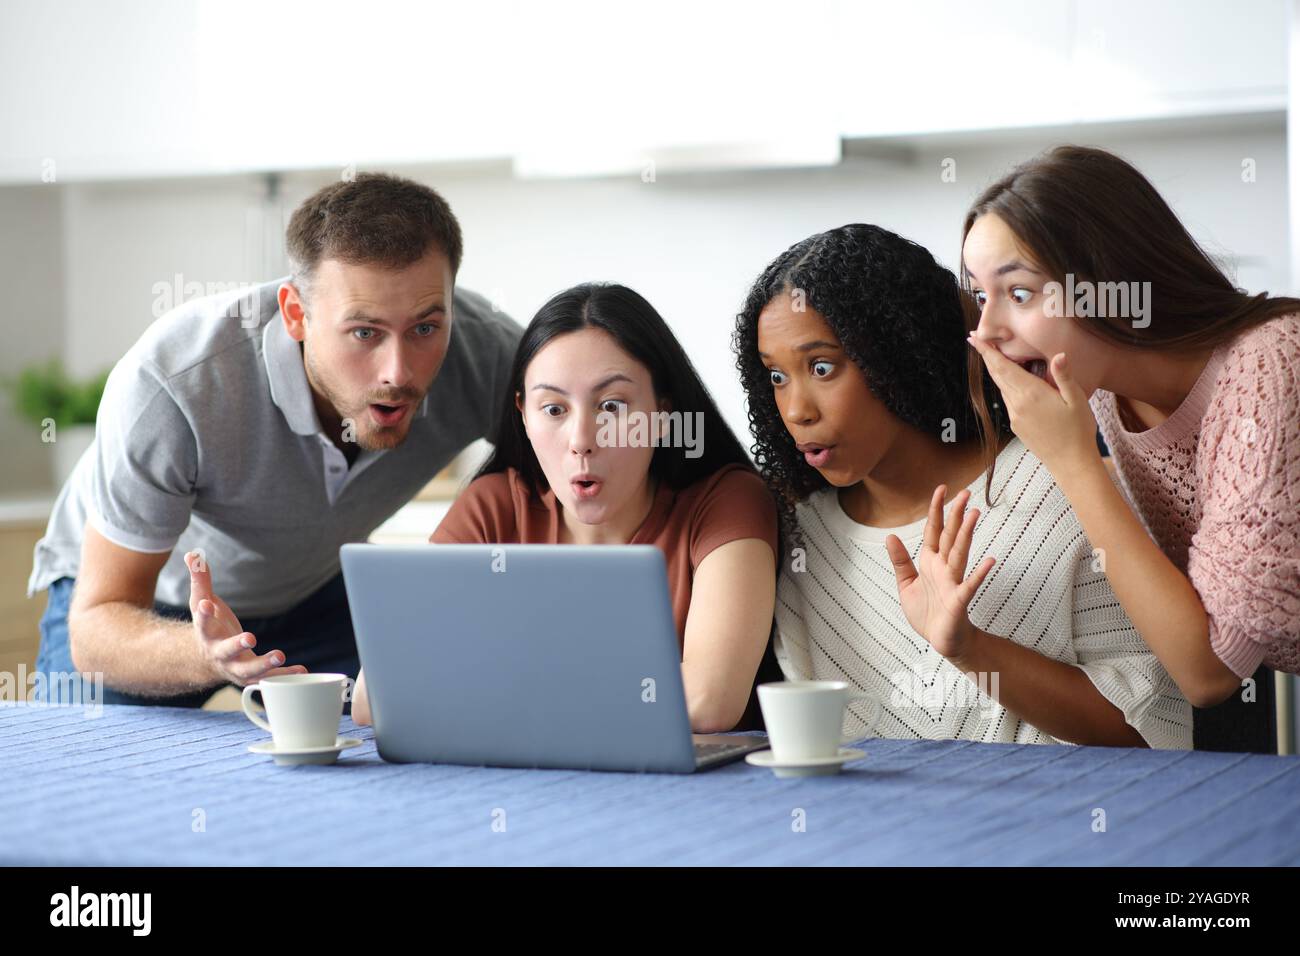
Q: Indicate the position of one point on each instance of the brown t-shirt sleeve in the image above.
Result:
(734, 505)
(484, 513)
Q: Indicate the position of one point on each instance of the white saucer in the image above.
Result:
(808, 766)
(301, 755)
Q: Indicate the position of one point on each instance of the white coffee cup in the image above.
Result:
(805, 718)
(303, 710)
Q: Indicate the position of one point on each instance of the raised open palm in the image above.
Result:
(935, 591)
(223, 642)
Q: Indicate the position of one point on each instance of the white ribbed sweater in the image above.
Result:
(839, 617)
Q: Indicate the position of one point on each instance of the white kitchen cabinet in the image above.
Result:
(150, 88)
(934, 66)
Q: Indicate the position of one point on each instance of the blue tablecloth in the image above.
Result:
(131, 787)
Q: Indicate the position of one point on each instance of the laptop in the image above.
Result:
(560, 656)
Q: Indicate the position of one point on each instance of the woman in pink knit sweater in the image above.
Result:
(1097, 307)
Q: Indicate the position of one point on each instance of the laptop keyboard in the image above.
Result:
(705, 751)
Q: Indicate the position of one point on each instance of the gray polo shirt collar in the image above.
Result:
(288, 379)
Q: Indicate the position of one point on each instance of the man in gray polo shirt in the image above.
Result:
(245, 437)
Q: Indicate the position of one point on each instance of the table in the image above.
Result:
(165, 786)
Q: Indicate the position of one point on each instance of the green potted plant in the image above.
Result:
(61, 407)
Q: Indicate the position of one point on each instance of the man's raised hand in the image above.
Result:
(224, 644)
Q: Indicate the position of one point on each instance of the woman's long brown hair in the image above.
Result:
(1086, 212)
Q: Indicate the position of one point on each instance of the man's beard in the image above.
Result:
(364, 432)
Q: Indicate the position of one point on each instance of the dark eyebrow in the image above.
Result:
(607, 382)
(602, 384)
(808, 347)
(1012, 266)
(359, 316)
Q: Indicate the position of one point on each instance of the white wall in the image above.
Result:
(32, 321)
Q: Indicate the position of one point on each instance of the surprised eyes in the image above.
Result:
(366, 333)
(611, 405)
(1019, 295)
(819, 369)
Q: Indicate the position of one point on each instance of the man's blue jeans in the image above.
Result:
(317, 633)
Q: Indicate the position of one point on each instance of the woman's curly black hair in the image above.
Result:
(898, 314)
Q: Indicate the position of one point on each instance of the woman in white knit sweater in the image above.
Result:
(851, 348)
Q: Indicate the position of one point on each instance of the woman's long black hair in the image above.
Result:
(643, 334)
(899, 315)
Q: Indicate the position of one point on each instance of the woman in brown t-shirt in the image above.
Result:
(611, 438)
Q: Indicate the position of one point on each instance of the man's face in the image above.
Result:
(373, 342)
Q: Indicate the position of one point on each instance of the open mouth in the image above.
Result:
(1036, 367)
(387, 415)
(817, 455)
(1039, 368)
(586, 487)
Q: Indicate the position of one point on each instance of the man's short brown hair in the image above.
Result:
(375, 218)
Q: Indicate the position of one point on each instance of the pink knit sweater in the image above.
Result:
(1217, 485)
